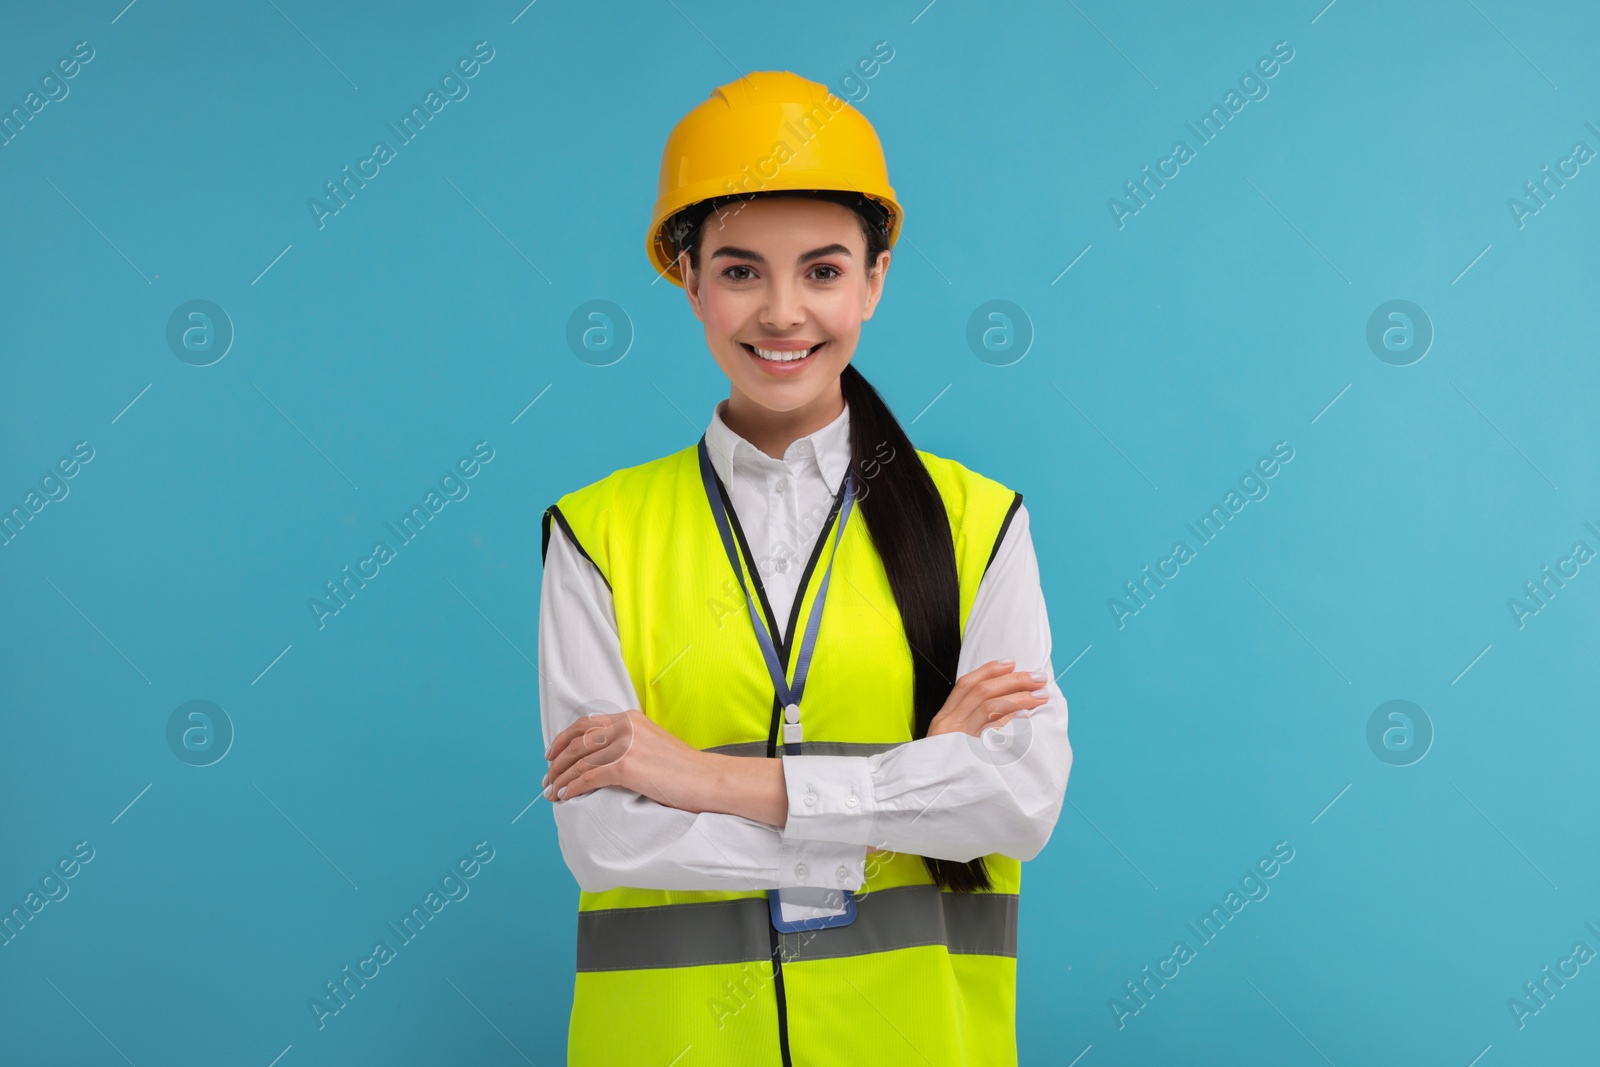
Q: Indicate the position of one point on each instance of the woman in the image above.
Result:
(792, 838)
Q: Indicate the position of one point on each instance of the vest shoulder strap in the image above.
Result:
(980, 511)
(592, 515)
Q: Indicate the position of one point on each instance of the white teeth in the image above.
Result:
(781, 357)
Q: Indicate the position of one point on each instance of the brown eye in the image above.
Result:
(835, 273)
(729, 273)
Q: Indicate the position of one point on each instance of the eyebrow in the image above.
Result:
(757, 257)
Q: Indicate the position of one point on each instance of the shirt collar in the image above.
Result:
(829, 447)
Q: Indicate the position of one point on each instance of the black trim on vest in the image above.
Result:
(811, 565)
(784, 645)
(775, 939)
(783, 640)
(780, 997)
(544, 545)
(1005, 524)
(749, 561)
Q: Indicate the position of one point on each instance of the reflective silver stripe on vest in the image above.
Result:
(810, 748)
(738, 931)
(674, 935)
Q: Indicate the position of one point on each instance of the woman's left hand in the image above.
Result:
(625, 748)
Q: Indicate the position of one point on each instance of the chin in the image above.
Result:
(782, 399)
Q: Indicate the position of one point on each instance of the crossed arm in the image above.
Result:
(660, 814)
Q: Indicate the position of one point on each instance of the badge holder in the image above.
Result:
(810, 908)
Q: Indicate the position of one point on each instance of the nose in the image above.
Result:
(783, 307)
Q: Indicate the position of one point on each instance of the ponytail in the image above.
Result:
(904, 514)
(911, 530)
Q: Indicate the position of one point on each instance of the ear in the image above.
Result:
(691, 284)
(875, 285)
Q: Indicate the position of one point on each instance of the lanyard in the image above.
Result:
(789, 696)
(795, 909)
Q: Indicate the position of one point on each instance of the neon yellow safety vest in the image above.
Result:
(701, 977)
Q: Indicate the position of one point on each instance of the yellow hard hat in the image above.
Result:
(769, 131)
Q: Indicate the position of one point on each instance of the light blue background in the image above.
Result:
(429, 313)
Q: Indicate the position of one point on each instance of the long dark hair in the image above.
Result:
(903, 510)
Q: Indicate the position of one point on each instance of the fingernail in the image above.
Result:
(1006, 661)
(1038, 676)
(561, 792)
(547, 792)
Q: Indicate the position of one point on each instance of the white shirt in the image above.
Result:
(952, 796)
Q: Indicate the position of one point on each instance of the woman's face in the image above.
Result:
(784, 276)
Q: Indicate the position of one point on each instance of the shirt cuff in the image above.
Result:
(826, 864)
(830, 799)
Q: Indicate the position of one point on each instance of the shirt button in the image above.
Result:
(811, 798)
(844, 874)
(782, 566)
(782, 486)
(801, 870)
(851, 801)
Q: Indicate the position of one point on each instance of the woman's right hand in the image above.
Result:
(989, 696)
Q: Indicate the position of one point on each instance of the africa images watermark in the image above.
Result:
(452, 85)
(1536, 996)
(453, 887)
(1253, 83)
(52, 484)
(411, 526)
(1540, 191)
(1253, 887)
(53, 889)
(810, 123)
(53, 89)
(1538, 592)
(734, 998)
(781, 555)
(811, 523)
(1253, 485)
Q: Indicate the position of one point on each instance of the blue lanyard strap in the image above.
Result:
(789, 696)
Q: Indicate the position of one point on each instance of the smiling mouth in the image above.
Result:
(767, 355)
